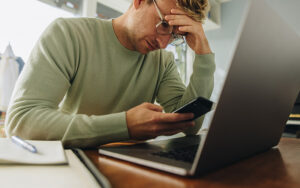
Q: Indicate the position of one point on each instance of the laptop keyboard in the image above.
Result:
(186, 154)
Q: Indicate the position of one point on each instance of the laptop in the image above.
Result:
(258, 94)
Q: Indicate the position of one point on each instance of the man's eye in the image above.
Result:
(165, 24)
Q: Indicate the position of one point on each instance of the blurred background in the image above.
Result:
(23, 21)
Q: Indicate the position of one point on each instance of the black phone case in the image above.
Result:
(198, 106)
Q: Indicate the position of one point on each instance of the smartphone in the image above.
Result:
(198, 107)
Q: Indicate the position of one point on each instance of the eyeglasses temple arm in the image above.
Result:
(158, 11)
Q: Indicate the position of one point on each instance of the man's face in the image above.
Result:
(142, 34)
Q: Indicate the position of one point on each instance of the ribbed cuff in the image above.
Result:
(101, 130)
(117, 129)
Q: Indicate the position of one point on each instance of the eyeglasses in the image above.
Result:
(163, 28)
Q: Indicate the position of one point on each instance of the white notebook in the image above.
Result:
(74, 175)
(49, 152)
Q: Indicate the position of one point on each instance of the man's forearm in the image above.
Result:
(203, 46)
(32, 120)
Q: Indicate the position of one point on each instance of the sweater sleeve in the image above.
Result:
(172, 92)
(33, 111)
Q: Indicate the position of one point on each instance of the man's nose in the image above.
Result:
(163, 40)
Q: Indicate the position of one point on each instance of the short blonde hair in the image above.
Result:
(196, 9)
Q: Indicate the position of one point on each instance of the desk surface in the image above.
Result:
(274, 168)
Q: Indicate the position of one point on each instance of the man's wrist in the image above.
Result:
(203, 47)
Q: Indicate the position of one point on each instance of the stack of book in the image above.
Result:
(294, 118)
(293, 124)
(2, 117)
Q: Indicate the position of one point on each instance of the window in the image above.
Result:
(106, 12)
(22, 23)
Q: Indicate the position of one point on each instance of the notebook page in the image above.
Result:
(49, 152)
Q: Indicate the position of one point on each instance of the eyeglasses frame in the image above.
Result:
(175, 37)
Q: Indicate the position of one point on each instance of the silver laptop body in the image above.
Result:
(257, 97)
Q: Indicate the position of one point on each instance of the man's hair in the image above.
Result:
(196, 9)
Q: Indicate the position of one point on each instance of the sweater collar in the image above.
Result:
(119, 47)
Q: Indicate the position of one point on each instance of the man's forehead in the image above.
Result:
(165, 6)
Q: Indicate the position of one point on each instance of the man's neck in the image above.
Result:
(122, 32)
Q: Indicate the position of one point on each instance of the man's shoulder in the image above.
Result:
(83, 23)
(85, 29)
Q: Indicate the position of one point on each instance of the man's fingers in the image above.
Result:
(168, 133)
(173, 17)
(175, 127)
(180, 22)
(174, 117)
(179, 126)
(177, 16)
(148, 121)
(185, 29)
(177, 11)
(154, 107)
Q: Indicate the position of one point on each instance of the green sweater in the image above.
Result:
(80, 80)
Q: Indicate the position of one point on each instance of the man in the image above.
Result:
(89, 81)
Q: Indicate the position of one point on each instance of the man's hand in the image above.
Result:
(147, 121)
(195, 35)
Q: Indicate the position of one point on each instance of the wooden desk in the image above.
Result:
(279, 167)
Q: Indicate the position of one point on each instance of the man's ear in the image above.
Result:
(138, 3)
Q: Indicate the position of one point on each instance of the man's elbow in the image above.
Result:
(14, 125)
(11, 126)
